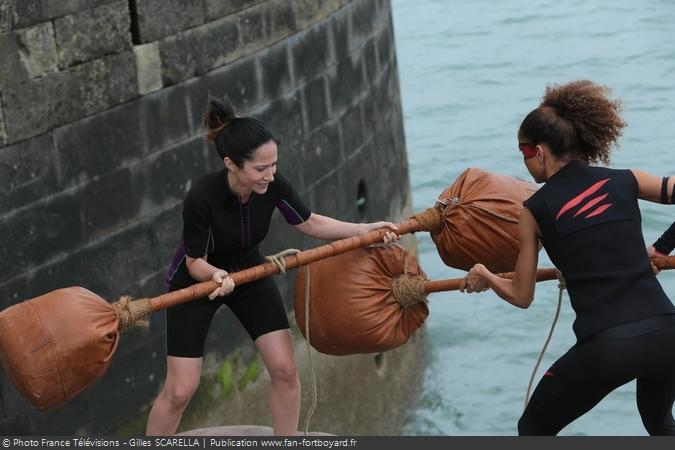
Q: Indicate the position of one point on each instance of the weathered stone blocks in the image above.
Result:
(323, 152)
(316, 103)
(93, 33)
(32, 236)
(240, 82)
(36, 106)
(167, 177)
(283, 117)
(99, 144)
(279, 20)
(351, 124)
(109, 203)
(166, 227)
(346, 81)
(97, 176)
(12, 72)
(219, 8)
(6, 15)
(37, 49)
(28, 171)
(165, 118)
(196, 51)
(29, 12)
(311, 52)
(276, 79)
(161, 18)
(252, 29)
(3, 131)
(149, 66)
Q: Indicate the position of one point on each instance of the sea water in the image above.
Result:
(469, 72)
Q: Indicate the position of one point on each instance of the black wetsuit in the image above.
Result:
(217, 225)
(666, 242)
(625, 326)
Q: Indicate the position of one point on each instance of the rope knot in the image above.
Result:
(131, 312)
(279, 260)
(431, 219)
(408, 291)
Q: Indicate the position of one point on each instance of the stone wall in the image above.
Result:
(100, 111)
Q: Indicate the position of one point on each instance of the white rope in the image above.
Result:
(561, 288)
(279, 260)
(315, 391)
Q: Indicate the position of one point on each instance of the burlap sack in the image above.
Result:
(481, 220)
(55, 345)
(352, 307)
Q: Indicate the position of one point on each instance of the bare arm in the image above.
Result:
(329, 229)
(201, 270)
(520, 290)
(650, 186)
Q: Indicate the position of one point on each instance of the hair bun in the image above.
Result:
(218, 116)
(592, 114)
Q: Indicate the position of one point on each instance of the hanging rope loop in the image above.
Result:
(561, 289)
(279, 260)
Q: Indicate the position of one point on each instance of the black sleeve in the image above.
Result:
(291, 206)
(196, 226)
(666, 243)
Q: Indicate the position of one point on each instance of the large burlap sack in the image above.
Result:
(480, 214)
(352, 306)
(54, 346)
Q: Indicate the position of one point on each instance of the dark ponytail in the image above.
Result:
(576, 120)
(235, 137)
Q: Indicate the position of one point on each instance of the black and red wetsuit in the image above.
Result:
(590, 226)
(217, 225)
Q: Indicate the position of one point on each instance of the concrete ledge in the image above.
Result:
(242, 430)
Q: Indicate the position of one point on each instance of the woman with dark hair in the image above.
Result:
(225, 216)
(588, 220)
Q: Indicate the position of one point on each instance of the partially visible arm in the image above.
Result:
(665, 244)
(329, 229)
(650, 187)
(518, 291)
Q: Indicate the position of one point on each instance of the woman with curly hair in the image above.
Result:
(588, 220)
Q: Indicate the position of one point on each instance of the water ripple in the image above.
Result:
(469, 72)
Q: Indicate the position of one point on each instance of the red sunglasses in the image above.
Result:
(529, 150)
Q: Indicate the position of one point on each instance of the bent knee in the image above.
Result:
(286, 372)
(179, 396)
